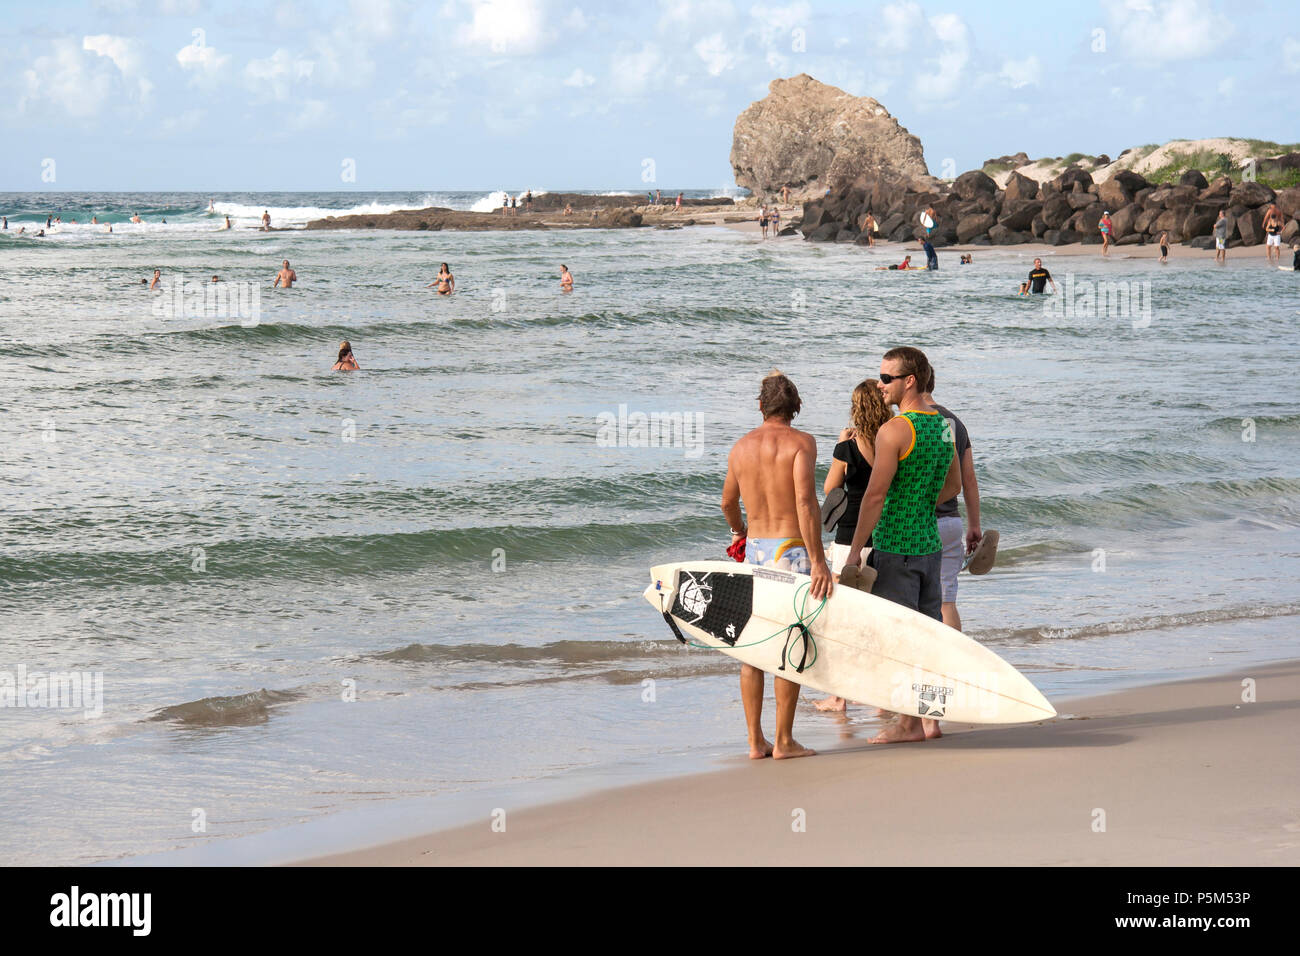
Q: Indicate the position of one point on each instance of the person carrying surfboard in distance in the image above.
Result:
(928, 220)
(771, 470)
(916, 467)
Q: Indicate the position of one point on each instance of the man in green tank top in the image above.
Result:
(916, 468)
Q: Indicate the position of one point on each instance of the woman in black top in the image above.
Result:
(853, 457)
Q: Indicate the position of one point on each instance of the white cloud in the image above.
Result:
(632, 74)
(952, 55)
(506, 27)
(689, 17)
(1018, 73)
(125, 55)
(776, 24)
(204, 64)
(1162, 30)
(714, 52)
(579, 78)
(276, 75)
(1291, 55)
(1227, 86)
(931, 53)
(69, 81)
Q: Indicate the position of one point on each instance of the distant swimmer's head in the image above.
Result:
(778, 398)
(868, 410)
(902, 370)
(345, 350)
(216, 279)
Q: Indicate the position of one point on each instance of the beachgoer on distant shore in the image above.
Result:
(566, 279)
(445, 281)
(785, 195)
(1164, 247)
(776, 221)
(286, 276)
(771, 471)
(1105, 226)
(347, 361)
(568, 209)
(1273, 224)
(1037, 281)
(679, 202)
(762, 220)
(915, 468)
(1221, 237)
(870, 227)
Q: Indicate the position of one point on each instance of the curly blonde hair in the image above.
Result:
(868, 410)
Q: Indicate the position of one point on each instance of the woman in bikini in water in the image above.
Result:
(347, 361)
(446, 282)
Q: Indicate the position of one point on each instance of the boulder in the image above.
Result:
(1038, 227)
(903, 233)
(1020, 159)
(1250, 226)
(1056, 211)
(1192, 177)
(976, 224)
(1140, 197)
(788, 231)
(1250, 195)
(1018, 215)
(982, 240)
(1131, 181)
(1169, 220)
(1113, 195)
(1199, 221)
(1060, 237)
(1219, 189)
(1290, 232)
(1181, 195)
(1071, 175)
(846, 235)
(1020, 188)
(973, 183)
(807, 135)
(862, 240)
(1121, 223)
(824, 233)
(1134, 239)
(1288, 201)
(1146, 219)
(1080, 200)
(890, 224)
(1201, 242)
(1000, 235)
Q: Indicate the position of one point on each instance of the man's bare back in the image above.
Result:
(763, 463)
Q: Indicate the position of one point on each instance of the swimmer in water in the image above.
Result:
(136, 218)
(211, 207)
(347, 361)
(227, 225)
(566, 279)
(906, 264)
(216, 279)
(157, 276)
(446, 282)
(286, 276)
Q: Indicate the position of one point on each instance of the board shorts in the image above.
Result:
(787, 554)
(1273, 239)
(839, 553)
(910, 580)
(952, 534)
(1220, 243)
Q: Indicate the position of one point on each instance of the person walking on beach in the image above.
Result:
(915, 468)
(948, 517)
(566, 279)
(528, 201)
(445, 281)
(679, 202)
(1273, 233)
(785, 195)
(1221, 237)
(285, 277)
(347, 361)
(870, 228)
(851, 462)
(1164, 247)
(1104, 226)
(1037, 281)
(776, 221)
(762, 220)
(771, 470)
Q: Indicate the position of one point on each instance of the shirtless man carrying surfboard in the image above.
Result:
(771, 470)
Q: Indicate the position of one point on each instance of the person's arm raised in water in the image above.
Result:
(810, 523)
(892, 438)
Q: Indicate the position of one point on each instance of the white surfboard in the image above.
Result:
(926, 220)
(857, 646)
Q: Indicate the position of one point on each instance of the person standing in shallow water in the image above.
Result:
(771, 469)
(445, 281)
(566, 279)
(347, 361)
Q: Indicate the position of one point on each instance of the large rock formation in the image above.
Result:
(808, 136)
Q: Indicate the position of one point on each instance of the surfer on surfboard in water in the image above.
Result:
(771, 470)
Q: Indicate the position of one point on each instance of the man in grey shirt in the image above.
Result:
(1221, 237)
(949, 519)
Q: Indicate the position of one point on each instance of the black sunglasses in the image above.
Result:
(886, 378)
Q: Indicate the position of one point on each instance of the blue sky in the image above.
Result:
(208, 95)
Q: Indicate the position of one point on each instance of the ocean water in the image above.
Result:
(307, 592)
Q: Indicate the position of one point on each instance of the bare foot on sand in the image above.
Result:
(791, 750)
(832, 703)
(899, 734)
(931, 728)
(760, 750)
(885, 714)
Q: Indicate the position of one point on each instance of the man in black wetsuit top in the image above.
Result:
(1038, 279)
(931, 260)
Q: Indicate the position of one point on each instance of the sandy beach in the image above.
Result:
(1177, 774)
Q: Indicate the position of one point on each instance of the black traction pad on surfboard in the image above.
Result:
(718, 604)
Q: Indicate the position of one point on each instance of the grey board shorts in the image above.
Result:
(910, 580)
(951, 533)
